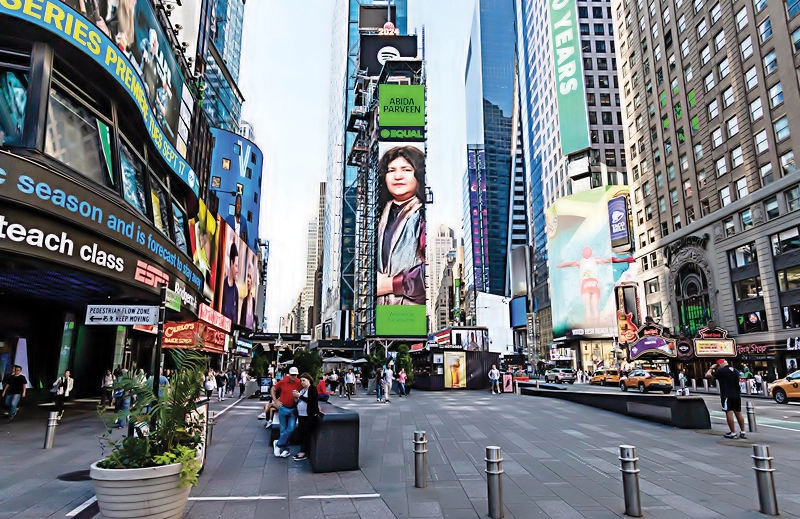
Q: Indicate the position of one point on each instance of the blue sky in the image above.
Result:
(285, 70)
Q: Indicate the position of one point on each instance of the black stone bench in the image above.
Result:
(684, 412)
(334, 442)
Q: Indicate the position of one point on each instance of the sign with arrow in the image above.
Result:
(121, 315)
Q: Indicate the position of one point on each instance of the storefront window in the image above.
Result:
(751, 322)
(791, 316)
(133, 179)
(691, 292)
(159, 199)
(13, 99)
(78, 139)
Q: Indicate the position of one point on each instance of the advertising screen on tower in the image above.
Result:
(376, 49)
(583, 267)
(568, 68)
(400, 248)
(401, 106)
(237, 289)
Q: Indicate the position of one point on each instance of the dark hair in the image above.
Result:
(234, 252)
(415, 157)
(308, 377)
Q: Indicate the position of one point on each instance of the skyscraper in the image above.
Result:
(442, 245)
(356, 17)
(489, 83)
(222, 97)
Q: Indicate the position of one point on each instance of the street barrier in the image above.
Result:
(765, 480)
(494, 481)
(50, 435)
(630, 480)
(751, 418)
(694, 385)
(211, 421)
(420, 459)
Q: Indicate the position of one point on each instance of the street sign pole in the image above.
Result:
(162, 315)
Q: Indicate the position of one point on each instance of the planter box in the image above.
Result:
(152, 492)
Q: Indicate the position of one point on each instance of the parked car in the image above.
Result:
(647, 380)
(785, 389)
(605, 377)
(560, 375)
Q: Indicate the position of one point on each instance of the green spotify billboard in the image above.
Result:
(568, 68)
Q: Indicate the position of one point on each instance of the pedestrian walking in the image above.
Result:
(222, 382)
(107, 385)
(333, 381)
(242, 383)
(350, 383)
(15, 387)
(388, 378)
(282, 392)
(61, 390)
(307, 410)
(210, 383)
(401, 383)
(340, 376)
(231, 382)
(494, 378)
(378, 383)
(730, 395)
(758, 380)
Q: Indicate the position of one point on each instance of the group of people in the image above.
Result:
(121, 399)
(224, 383)
(343, 381)
(295, 401)
(385, 378)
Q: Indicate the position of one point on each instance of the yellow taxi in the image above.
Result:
(647, 380)
(605, 377)
(786, 389)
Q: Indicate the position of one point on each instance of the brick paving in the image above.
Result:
(560, 462)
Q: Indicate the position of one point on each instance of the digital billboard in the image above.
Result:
(479, 217)
(401, 106)
(126, 40)
(400, 248)
(376, 49)
(583, 267)
(237, 290)
(204, 239)
(236, 167)
(568, 68)
(455, 369)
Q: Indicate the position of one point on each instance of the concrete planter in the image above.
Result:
(152, 492)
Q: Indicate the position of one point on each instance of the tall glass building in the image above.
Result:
(489, 83)
(222, 100)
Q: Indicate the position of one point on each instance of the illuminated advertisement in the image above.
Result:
(713, 341)
(455, 369)
(376, 49)
(236, 166)
(479, 217)
(653, 343)
(189, 335)
(125, 38)
(400, 261)
(237, 289)
(618, 223)
(470, 339)
(204, 238)
(583, 267)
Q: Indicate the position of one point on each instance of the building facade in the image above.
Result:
(440, 249)
(708, 90)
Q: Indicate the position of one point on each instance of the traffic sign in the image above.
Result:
(124, 315)
(173, 300)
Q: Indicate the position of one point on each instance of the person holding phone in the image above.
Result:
(307, 410)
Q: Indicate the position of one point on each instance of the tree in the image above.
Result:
(308, 361)
(404, 362)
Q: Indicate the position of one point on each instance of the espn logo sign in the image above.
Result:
(150, 275)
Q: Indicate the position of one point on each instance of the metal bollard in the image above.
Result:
(694, 386)
(420, 459)
(211, 422)
(50, 435)
(705, 385)
(747, 387)
(765, 481)
(537, 383)
(494, 481)
(766, 389)
(683, 383)
(630, 480)
(751, 418)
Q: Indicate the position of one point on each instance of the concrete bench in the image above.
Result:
(334, 442)
(684, 412)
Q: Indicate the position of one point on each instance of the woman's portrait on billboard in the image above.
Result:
(401, 227)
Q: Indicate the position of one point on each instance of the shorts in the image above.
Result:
(590, 286)
(495, 382)
(732, 404)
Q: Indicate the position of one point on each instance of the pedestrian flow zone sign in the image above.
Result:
(121, 314)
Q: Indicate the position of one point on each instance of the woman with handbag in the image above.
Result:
(307, 410)
(210, 383)
(61, 390)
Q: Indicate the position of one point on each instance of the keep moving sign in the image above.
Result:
(121, 315)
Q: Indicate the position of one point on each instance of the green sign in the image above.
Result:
(172, 300)
(401, 105)
(568, 67)
(401, 320)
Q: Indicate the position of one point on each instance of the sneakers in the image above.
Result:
(300, 458)
(268, 424)
(275, 449)
(742, 435)
(730, 435)
(285, 454)
(262, 416)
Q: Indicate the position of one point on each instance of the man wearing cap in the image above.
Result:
(282, 393)
(730, 394)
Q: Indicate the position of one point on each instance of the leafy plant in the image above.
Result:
(308, 361)
(170, 431)
(404, 362)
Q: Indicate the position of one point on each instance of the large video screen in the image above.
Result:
(204, 239)
(237, 290)
(583, 267)
(400, 261)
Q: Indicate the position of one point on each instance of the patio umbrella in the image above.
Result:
(337, 360)
(360, 361)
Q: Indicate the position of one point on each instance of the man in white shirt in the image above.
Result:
(388, 378)
(494, 377)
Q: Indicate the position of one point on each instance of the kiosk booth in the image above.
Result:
(453, 364)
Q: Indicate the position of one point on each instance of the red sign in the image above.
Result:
(186, 335)
(712, 333)
(147, 328)
(417, 347)
(150, 275)
(214, 318)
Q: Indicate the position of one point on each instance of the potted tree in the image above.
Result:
(150, 474)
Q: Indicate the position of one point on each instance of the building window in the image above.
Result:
(648, 211)
(676, 222)
(728, 227)
(781, 129)
(725, 196)
(736, 157)
(654, 310)
(748, 288)
(709, 81)
(746, 48)
(746, 219)
(691, 294)
(705, 207)
(721, 166)
(671, 172)
(733, 126)
(713, 109)
(787, 163)
(786, 241)
(702, 29)
(765, 30)
(727, 97)
(662, 205)
(701, 178)
(216, 182)
(651, 286)
(716, 12)
(751, 78)
(689, 215)
(761, 141)
(750, 322)
(741, 188)
(646, 188)
(792, 198)
(771, 208)
(673, 196)
(796, 39)
(792, 7)
(651, 235)
(756, 110)
(226, 164)
(716, 137)
(760, 5)
(741, 19)
(687, 189)
(133, 178)
(698, 151)
(719, 41)
(705, 55)
(770, 63)
(664, 229)
(742, 256)
(788, 279)
(599, 29)
(766, 173)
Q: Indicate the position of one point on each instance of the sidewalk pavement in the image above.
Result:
(560, 462)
